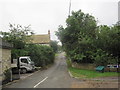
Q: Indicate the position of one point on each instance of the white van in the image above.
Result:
(24, 63)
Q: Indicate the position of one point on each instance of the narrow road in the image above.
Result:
(56, 76)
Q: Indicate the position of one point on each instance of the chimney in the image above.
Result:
(49, 33)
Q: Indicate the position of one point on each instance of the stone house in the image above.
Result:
(5, 57)
(41, 39)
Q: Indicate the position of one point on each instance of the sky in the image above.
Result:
(44, 15)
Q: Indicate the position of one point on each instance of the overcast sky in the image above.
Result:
(44, 15)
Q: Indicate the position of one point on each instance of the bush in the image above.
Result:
(54, 46)
(41, 55)
(101, 57)
(69, 63)
(18, 52)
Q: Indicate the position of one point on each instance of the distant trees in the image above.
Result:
(54, 45)
(86, 42)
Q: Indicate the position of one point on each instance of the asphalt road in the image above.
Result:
(56, 76)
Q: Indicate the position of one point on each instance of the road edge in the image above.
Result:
(14, 81)
(96, 79)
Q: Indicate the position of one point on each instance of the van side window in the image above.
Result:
(23, 60)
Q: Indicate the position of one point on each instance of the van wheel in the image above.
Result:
(23, 70)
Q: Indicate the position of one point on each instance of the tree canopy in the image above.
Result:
(84, 41)
(17, 35)
(54, 45)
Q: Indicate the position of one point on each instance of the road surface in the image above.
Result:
(56, 76)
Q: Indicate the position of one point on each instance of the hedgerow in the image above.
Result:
(41, 55)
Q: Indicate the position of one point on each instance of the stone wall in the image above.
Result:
(0, 61)
(84, 66)
(0, 67)
(5, 60)
(92, 67)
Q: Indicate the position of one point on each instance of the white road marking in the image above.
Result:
(40, 82)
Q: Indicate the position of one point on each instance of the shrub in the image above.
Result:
(18, 52)
(54, 45)
(69, 63)
(100, 57)
(41, 55)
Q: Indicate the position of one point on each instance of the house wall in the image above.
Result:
(0, 66)
(5, 60)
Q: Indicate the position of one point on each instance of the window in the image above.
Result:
(23, 60)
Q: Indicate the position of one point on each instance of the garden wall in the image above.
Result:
(84, 66)
(91, 67)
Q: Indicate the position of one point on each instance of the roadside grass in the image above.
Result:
(89, 73)
(69, 64)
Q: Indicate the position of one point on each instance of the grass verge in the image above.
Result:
(89, 73)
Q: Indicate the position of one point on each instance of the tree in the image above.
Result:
(84, 41)
(108, 41)
(54, 45)
(60, 48)
(77, 37)
(17, 35)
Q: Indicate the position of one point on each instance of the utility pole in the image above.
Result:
(69, 8)
(118, 11)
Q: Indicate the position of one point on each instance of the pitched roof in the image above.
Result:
(41, 39)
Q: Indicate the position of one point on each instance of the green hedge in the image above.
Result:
(41, 55)
(18, 52)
